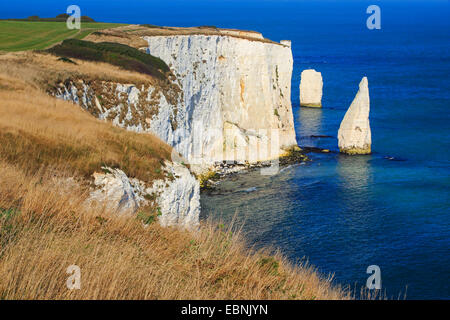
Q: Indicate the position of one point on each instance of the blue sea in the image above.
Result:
(342, 213)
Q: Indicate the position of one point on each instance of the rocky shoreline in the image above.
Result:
(225, 170)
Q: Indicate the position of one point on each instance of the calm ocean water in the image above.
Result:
(342, 213)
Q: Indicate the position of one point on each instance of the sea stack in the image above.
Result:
(311, 85)
(354, 133)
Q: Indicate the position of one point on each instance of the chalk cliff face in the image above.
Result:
(176, 197)
(311, 85)
(236, 98)
(354, 133)
(116, 191)
(228, 98)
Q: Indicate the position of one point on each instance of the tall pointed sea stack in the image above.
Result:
(354, 133)
(311, 85)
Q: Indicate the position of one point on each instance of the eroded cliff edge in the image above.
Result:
(227, 98)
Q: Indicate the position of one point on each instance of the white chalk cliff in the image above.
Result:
(177, 197)
(230, 99)
(116, 191)
(311, 85)
(354, 132)
(236, 98)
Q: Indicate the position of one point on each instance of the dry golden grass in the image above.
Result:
(37, 130)
(131, 35)
(37, 69)
(49, 228)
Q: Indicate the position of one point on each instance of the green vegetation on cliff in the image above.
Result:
(117, 54)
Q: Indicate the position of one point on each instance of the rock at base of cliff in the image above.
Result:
(115, 191)
(354, 133)
(355, 151)
(177, 196)
(311, 85)
(311, 105)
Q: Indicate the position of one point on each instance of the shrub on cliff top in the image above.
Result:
(59, 18)
(117, 54)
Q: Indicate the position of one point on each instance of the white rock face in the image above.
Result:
(354, 133)
(311, 85)
(177, 197)
(236, 94)
(234, 102)
(115, 191)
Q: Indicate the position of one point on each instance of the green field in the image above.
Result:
(25, 35)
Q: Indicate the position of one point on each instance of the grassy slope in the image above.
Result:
(45, 227)
(37, 130)
(23, 35)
